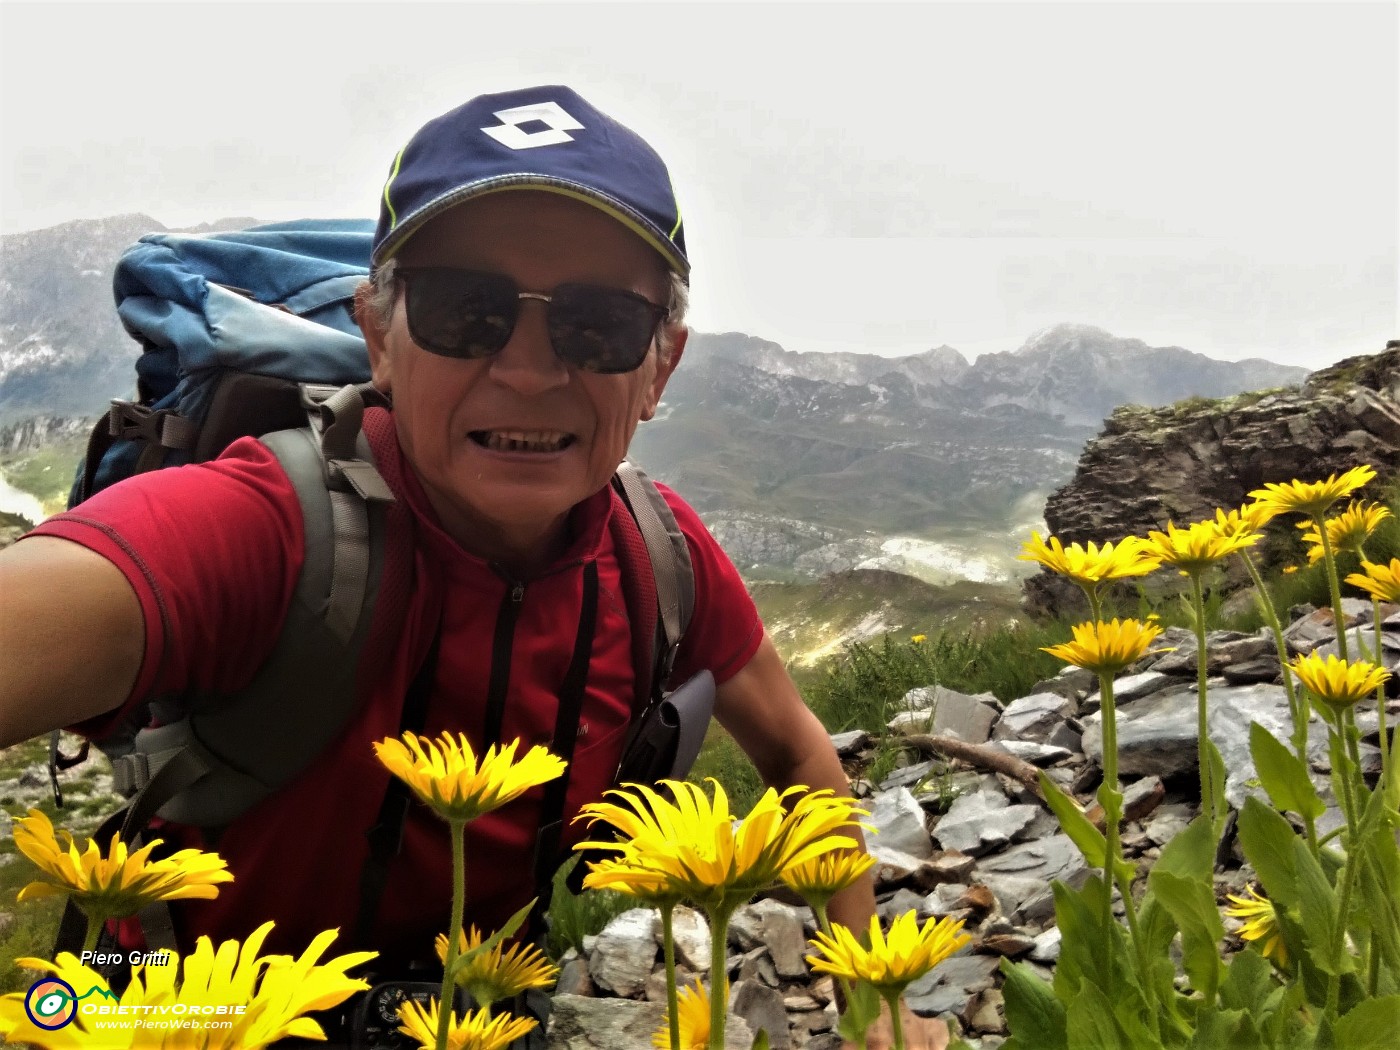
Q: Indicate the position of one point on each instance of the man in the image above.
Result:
(524, 314)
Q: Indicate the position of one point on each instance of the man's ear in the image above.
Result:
(368, 320)
(665, 365)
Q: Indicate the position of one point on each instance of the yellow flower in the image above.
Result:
(118, 884)
(444, 773)
(1313, 497)
(693, 1011)
(478, 1030)
(1261, 924)
(919, 639)
(694, 847)
(1380, 581)
(1289, 570)
(1346, 532)
(500, 973)
(821, 878)
(1198, 546)
(276, 991)
(1106, 647)
(889, 964)
(1338, 684)
(1093, 565)
(1248, 520)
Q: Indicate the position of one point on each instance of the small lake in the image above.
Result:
(18, 502)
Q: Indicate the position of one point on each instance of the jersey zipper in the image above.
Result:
(501, 645)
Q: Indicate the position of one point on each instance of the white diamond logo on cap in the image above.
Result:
(509, 133)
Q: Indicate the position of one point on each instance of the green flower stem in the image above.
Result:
(1380, 704)
(719, 983)
(896, 1025)
(824, 924)
(1297, 705)
(668, 948)
(457, 831)
(94, 930)
(1113, 850)
(1333, 586)
(1202, 734)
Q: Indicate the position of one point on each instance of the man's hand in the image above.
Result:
(920, 1033)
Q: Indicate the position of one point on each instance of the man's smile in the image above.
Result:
(522, 440)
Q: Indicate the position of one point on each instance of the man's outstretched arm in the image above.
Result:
(71, 637)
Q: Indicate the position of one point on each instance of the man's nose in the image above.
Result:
(527, 363)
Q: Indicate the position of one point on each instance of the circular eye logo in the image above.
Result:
(51, 1003)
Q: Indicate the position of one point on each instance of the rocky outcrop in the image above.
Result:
(1179, 463)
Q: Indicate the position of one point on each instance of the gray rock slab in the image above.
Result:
(691, 931)
(949, 986)
(1168, 821)
(1135, 686)
(1033, 717)
(581, 1023)
(1045, 860)
(907, 776)
(893, 867)
(1156, 735)
(901, 901)
(968, 717)
(1047, 946)
(978, 823)
(778, 927)
(899, 823)
(1066, 736)
(1020, 898)
(624, 952)
(848, 745)
(763, 1010)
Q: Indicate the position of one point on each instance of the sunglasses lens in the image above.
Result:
(601, 329)
(460, 313)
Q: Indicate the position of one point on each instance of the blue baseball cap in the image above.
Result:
(538, 138)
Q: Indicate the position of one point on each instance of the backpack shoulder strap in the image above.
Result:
(657, 577)
(307, 686)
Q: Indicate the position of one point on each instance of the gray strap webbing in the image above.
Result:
(669, 553)
(350, 519)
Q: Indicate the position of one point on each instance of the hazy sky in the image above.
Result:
(854, 177)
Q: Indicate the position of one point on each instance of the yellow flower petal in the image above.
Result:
(1380, 581)
(1261, 924)
(1313, 497)
(478, 1030)
(693, 1015)
(1348, 531)
(445, 774)
(694, 849)
(1338, 684)
(1108, 647)
(501, 973)
(892, 962)
(118, 883)
(1198, 546)
(1092, 565)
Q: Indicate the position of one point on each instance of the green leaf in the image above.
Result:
(1076, 825)
(862, 1007)
(1317, 904)
(1268, 844)
(1034, 1016)
(760, 1041)
(1247, 982)
(1191, 854)
(508, 930)
(1283, 776)
(1091, 1024)
(1217, 783)
(1192, 904)
(1373, 1025)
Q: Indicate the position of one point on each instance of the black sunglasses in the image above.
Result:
(468, 314)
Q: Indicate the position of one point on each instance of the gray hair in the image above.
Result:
(382, 295)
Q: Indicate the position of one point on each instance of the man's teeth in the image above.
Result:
(525, 440)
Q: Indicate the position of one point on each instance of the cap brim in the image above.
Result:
(635, 222)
